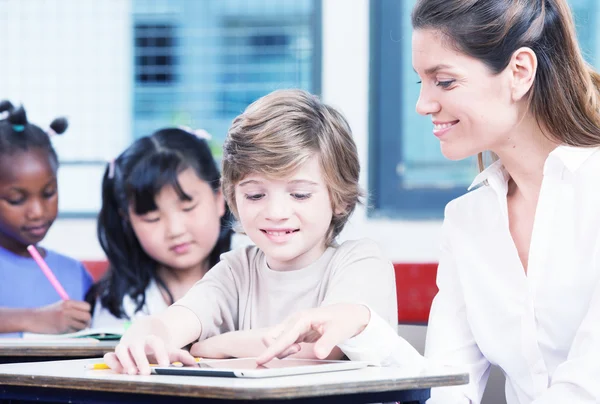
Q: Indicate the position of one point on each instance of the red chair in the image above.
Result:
(96, 268)
(415, 286)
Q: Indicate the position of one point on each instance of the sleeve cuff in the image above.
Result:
(381, 345)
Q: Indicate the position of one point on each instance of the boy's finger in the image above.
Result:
(122, 354)
(112, 361)
(138, 352)
(184, 357)
(330, 337)
(284, 342)
(157, 349)
(294, 349)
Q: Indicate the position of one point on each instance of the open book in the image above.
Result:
(52, 341)
(101, 334)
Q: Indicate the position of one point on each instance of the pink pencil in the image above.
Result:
(48, 272)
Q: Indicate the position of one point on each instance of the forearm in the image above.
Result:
(176, 327)
(17, 320)
(144, 326)
(234, 344)
(246, 344)
(307, 351)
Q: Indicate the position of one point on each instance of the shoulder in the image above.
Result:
(63, 261)
(359, 247)
(361, 251)
(588, 172)
(71, 271)
(240, 260)
(472, 204)
(238, 264)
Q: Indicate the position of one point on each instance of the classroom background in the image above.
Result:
(120, 69)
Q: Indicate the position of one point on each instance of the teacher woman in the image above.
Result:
(519, 269)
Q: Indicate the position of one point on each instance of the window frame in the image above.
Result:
(390, 197)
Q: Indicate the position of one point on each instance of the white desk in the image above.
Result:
(69, 381)
(35, 351)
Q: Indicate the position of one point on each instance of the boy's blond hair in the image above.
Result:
(278, 133)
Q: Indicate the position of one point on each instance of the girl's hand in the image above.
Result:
(326, 326)
(132, 355)
(61, 317)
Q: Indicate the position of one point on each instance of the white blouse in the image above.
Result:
(541, 327)
(155, 303)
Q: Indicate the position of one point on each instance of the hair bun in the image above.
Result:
(5, 105)
(59, 125)
(17, 116)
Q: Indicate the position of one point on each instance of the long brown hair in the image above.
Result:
(565, 96)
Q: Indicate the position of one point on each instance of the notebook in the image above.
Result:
(247, 368)
(101, 334)
(50, 341)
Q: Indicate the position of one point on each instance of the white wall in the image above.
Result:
(71, 58)
(346, 87)
(80, 67)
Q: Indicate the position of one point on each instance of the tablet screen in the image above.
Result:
(250, 363)
(248, 368)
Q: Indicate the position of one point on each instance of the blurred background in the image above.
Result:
(120, 69)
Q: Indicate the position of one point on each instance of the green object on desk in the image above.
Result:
(101, 334)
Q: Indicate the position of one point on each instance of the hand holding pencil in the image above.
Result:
(63, 316)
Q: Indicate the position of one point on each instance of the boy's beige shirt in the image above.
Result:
(241, 292)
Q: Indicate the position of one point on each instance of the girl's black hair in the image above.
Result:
(136, 177)
(18, 135)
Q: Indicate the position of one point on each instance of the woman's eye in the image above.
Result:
(444, 84)
(254, 197)
(300, 196)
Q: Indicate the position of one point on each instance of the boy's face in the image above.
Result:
(28, 199)
(286, 218)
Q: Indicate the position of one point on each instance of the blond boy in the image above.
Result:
(290, 175)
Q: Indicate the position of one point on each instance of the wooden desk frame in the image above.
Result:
(68, 381)
(54, 395)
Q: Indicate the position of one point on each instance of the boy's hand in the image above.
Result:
(61, 317)
(326, 326)
(132, 355)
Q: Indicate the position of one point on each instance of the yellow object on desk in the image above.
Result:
(104, 366)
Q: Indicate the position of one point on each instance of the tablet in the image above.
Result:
(247, 368)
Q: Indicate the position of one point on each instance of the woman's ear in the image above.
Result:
(523, 68)
(339, 210)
